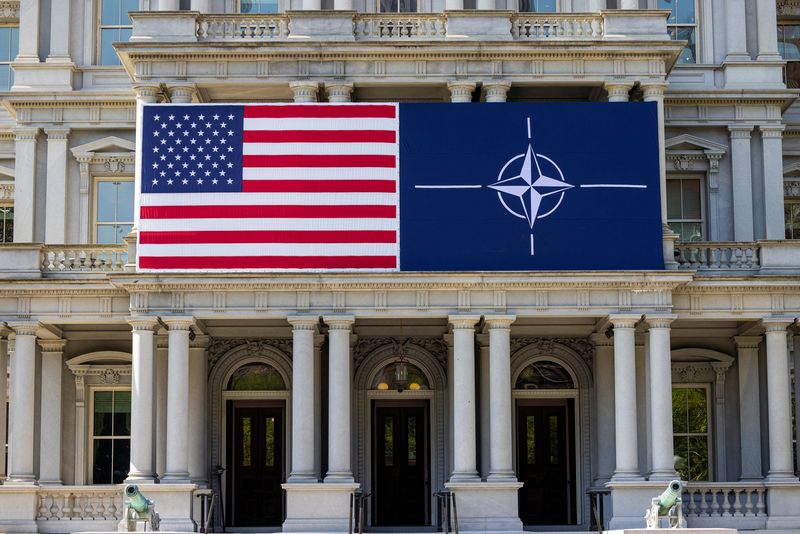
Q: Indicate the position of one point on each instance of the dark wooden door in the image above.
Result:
(545, 465)
(400, 466)
(256, 443)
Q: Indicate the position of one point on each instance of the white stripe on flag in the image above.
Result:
(312, 173)
(320, 124)
(269, 199)
(269, 249)
(388, 149)
(189, 225)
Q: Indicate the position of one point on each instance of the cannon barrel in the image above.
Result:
(670, 496)
(136, 500)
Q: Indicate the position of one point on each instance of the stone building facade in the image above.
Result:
(527, 394)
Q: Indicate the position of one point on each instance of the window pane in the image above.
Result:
(122, 413)
(789, 41)
(681, 451)
(691, 199)
(122, 460)
(270, 441)
(8, 42)
(412, 441)
(106, 202)
(408, 6)
(259, 6)
(110, 12)
(103, 461)
(121, 231)
(674, 199)
(247, 441)
(679, 423)
(125, 201)
(108, 56)
(545, 6)
(388, 6)
(388, 441)
(103, 413)
(691, 232)
(530, 423)
(6, 77)
(698, 458)
(106, 235)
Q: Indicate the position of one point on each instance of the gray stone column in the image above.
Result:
(460, 91)
(749, 406)
(464, 436)
(340, 386)
(626, 429)
(168, 5)
(303, 329)
(142, 400)
(59, 34)
(767, 15)
(654, 92)
(796, 353)
(305, 92)
(344, 5)
(55, 226)
(660, 384)
(772, 149)
(779, 401)
(484, 407)
(618, 91)
(604, 402)
(201, 5)
(629, 4)
(496, 90)
(3, 396)
(177, 468)
(198, 467)
(339, 91)
(50, 418)
(501, 467)
(736, 30)
(25, 185)
(742, 183)
(22, 404)
(162, 372)
(29, 15)
(450, 5)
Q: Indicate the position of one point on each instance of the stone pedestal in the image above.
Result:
(491, 506)
(318, 507)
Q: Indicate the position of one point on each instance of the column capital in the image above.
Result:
(618, 91)
(653, 90)
(185, 322)
(26, 134)
(624, 320)
(304, 91)
(741, 131)
(463, 322)
(339, 322)
(338, 91)
(777, 324)
(27, 328)
(147, 93)
(461, 90)
(659, 321)
(143, 323)
(496, 90)
(499, 322)
(183, 93)
(304, 322)
(52, 345)
(747, 342)
(55, 134)
(772, 130)
(600, 339)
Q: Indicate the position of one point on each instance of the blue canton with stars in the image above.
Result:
(192, 149)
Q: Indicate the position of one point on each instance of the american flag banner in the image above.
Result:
(269, 187)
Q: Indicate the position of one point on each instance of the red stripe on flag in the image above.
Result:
(320, 136)
(268, 236)
(319, 186)
(268, 262)
(319, 112)
(339, 161)
(270, 212)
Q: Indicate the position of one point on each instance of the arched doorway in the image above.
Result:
(250, 414)
(551, 391)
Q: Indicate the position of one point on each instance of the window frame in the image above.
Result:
(702, 178)
(789, 201)
(90, 437)
(557, 8)
(279, 10)
(653, 4)
(378, 8)
(98, 53)
(4, 206)
(11, 59)
(710, 443)
(96, 180)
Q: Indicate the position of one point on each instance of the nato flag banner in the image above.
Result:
(529, 186)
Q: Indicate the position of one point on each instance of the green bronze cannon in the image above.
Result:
(668, 505)
(138, 508)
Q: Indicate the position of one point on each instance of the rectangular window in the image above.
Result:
(682, 26)
(6, 224)
(791, 217)
(111, 436)
(113, 209)
(691, 421)
(115, 26)
(258, 6)
(789, 49)
(537, 6)
(685, 208)
(397, 6)
(9, 43)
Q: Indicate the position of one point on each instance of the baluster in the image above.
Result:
(739, 502)
(88, 509)
(42, 510)
(66, 506)
(77, 508)
(703, 503)
(112, 507)
(738, 253)
(692, 502)
(101, 507)
(761, 505)
(580, 31)
(749, 253)
(715, 504)
(54, 507)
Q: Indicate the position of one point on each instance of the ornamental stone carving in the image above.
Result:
(110, 376)
(582, 346)
(7, 191)
(115, 165)
(791, 188)
(9, 10)
(219, 347)
(366, 345)
(788, 7)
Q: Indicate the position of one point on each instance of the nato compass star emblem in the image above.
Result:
(531, 186)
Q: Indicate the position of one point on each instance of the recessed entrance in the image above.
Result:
(255, 454)
(401, 468)
(546, 462)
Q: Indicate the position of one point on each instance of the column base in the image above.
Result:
(20, 480)
(51, 483)
(502, 477)
(141, 478)
(303, 478)
(665, 476)
(318, 507)
(780, 476)
(339, 478)
(465, 478)
(485, 506)
(623, 476)
(176, 478)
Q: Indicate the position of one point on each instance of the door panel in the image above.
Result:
(400, 466)
(545, 465)
(256, 447)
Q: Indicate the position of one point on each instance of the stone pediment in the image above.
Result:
(692, 143)
(109, 144)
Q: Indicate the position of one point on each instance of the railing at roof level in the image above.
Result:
(539, 27)
(76, 259)
(242, 27)
(383, 26)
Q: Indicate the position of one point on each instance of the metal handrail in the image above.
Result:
(358, 500)
(446, 500)
(596, 498)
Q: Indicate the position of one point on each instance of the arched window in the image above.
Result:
(256, 377)
(544, 375)
(400, 376)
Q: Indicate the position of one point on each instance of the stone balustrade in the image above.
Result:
(709, 504)
(538, 27)
(74, 503)
(75, 259)
(242, 27)
(399, 26)
(718, 256)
